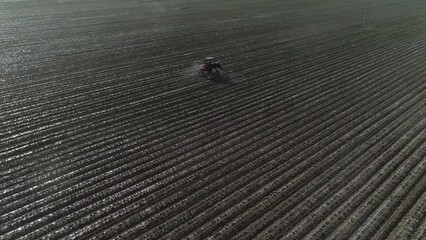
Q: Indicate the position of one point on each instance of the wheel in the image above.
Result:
(200, 73)
(216, 71)
(209, 75)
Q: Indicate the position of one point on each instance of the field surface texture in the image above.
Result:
(315, 130)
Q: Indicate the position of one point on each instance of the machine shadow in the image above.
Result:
(222, 80)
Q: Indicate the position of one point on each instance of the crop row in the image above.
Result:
(325, 142)
(103, 139)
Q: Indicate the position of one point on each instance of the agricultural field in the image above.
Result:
(316, 128)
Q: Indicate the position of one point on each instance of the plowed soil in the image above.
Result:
(315, 130)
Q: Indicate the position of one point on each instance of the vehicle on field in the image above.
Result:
(210, 68)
